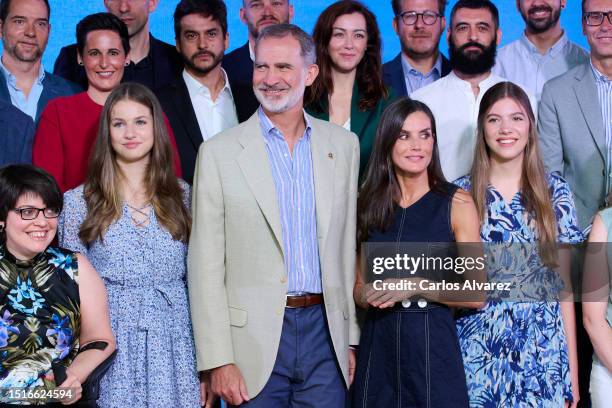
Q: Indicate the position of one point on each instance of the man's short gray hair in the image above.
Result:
(307, 45)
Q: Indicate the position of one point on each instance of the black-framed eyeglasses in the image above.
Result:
(31, 213)
(596, 18)
(411, 17)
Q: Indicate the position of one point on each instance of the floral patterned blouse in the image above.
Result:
(39, 315)
(515, 350)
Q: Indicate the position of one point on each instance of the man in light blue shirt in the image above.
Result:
(543, 51)
(419, 25)
(23, 81)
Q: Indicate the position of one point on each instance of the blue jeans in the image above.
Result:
(306, 372)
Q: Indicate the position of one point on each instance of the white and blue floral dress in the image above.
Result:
(515, 351)
(144, 270)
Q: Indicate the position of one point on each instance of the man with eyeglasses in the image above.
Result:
(543, 51)
(419, 25)
(575, 117)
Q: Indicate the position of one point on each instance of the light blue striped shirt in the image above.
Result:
(521, 62)
(293, 179)
(604, 93)
(415, 79)
(29, 104)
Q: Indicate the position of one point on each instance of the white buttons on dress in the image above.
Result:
(406, 303)
(422, 303)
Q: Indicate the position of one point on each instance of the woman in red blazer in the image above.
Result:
(69, 125)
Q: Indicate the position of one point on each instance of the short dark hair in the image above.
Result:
(475, 5)
(214, 9)
(307, 45)
(101, 21)
(397, 7)
(5, 5)
(17, 180)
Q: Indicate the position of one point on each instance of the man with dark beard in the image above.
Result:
(543, 52)
(24, 29)
(199, 104)
(472, 37)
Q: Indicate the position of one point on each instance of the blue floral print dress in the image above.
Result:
(39, 316)
(515, 352)
(143, 269)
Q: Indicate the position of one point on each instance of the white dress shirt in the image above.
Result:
(455, 109)
(521, 62)
(213, 116)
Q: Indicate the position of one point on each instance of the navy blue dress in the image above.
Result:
(409, 355)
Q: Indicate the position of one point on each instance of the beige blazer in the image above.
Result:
(236, 272)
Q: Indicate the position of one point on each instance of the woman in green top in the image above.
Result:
(597, 306)
(349, 90)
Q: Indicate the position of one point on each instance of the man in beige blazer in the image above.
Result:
(272, 250)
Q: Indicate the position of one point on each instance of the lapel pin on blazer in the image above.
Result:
(330, 155)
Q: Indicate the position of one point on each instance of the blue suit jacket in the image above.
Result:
(53, 86)
(239, 68)
(393, 74)
(16, 135)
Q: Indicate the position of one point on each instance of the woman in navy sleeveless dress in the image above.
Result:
(409, 355)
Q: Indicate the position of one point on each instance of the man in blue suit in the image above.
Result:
(16, 135)
(24, 28)
(256, 14)
(419, 25)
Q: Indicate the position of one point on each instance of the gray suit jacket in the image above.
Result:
(573, 139)
(237, 278)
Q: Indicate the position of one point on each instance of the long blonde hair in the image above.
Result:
(535, 192)
(102, 189)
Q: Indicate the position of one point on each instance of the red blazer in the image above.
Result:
(65, 137)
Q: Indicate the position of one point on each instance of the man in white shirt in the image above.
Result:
(472, 37)
(200, 103)
(543, 52)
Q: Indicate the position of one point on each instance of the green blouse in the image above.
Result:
(363, 123)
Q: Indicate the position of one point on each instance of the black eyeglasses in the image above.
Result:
(411, 17)
(31, 213)
(596, 18)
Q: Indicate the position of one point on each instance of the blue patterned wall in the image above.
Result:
(66, 13)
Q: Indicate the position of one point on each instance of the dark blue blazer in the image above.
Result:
(53, 86)
(176, 104)
(239, 68)
(393, 74)
(167, 64)
(16, 135)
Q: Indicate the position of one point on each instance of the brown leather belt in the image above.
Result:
(304, 300)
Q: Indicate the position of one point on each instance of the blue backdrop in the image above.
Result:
(66, 13)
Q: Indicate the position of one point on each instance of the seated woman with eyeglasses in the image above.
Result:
(52, 301)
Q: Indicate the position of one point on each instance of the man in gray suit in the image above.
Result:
(272, 251)
(575, 122)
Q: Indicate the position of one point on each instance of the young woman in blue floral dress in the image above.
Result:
(131, 217)
(520, 350)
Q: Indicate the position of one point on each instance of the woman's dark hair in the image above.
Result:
(215, 9)
(380, 190)
(17, 180)
(101, 21)
(369, 71)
